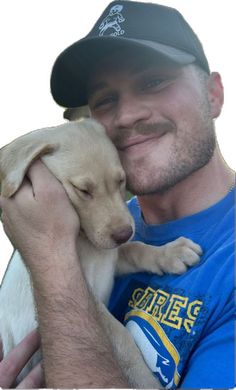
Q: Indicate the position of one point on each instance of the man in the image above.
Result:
(148, 81)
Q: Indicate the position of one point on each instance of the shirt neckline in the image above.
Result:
(189, 224)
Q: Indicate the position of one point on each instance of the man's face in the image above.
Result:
(159, 118)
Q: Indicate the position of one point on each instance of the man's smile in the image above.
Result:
(138, 140)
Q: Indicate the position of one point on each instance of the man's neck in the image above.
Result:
(199, 191)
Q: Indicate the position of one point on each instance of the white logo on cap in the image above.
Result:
(112, 21)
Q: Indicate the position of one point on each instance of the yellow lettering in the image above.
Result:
(166, 308)
(135, 297)
(161, 299)
(146, 299)
(171, 316)
(192, 312)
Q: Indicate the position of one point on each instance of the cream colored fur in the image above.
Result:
(85, 161)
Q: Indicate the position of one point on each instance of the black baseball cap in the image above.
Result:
(154, 28)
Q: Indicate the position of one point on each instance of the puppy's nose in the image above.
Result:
(122, 235)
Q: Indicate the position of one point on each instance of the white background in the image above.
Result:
(33, 33)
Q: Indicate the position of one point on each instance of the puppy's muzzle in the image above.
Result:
(122, 235)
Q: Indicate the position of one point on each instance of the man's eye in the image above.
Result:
(155, 83)
(104, 102)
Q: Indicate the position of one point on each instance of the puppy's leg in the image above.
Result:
(174, 257)
(127, 353)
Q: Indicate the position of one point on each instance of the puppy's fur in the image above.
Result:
(85, 161)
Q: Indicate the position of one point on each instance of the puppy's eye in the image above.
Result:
(85, 193)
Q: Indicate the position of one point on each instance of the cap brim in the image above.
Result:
(71, 69)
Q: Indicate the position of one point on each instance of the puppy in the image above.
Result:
(86, 162)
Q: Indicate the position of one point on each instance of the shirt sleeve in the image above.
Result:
(212, 362)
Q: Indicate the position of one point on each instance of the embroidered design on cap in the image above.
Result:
(112, 21)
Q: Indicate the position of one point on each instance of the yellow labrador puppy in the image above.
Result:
(86, 162)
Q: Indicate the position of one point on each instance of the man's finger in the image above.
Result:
(14, 362)
(1, 350)
(34, 380)
(38, 173)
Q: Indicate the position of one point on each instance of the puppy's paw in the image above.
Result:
(179, 255)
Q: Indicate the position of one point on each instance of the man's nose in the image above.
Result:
(130, 111)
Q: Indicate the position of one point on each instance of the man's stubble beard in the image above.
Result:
(191, 153)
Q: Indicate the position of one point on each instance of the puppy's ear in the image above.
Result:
(15, 160)
(77, 113)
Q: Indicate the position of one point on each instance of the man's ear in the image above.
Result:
(215, 93)
(15, 160)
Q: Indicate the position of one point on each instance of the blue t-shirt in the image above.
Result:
(184, 325)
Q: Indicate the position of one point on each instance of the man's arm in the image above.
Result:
(76, 350)
(43, 226)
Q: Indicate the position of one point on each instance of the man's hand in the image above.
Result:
(15, 361)
(39, 217)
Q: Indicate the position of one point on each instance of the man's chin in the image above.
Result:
(144, 187)
(141, 190)
(144, 183)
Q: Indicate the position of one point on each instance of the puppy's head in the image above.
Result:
(86, 162)
(95, 182)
